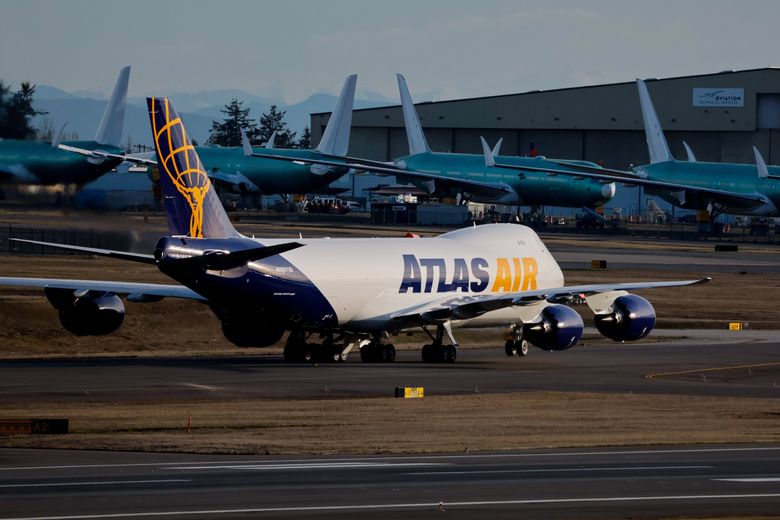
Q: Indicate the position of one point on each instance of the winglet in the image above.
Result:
(58, 139)
(489, 160)
(271, 140)
(245, 144)
(335, 140)
(497, 147)
(110, 128)
(763, 171)
(656, 143)
(689, 152)
(414, 131)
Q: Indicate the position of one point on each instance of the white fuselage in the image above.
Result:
(368, 281)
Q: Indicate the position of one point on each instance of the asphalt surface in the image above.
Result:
(711, 481)
(740, 363)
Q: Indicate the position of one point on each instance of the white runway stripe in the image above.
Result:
(390, 507)
(755, 479)
(93, 483)
(557, 470)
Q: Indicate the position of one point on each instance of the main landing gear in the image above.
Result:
(374, 351)
(515, 344)
(298, 350)
(436, 352)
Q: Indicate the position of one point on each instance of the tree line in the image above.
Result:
(16, 112)
(228, 131)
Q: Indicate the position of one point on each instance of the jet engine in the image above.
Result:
(247, 333)
(630, 317)
(88, 313)
(559, 328)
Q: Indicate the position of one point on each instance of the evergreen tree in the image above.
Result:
(271, 121)
(305, 140)
(16, 112)
(228, 132)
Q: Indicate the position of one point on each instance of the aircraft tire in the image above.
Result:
(426, 354)
(450, 353)
(388, 353)
(522, 347)
(510, 348)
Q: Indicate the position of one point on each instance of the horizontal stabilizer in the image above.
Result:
(120, 255)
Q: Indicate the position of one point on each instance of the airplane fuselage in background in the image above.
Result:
(531, 188)
(739, 178)
(36, 162)
(359, 283)
(268, 175)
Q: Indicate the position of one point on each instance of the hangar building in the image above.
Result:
(721, 116)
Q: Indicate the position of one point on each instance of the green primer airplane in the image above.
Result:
(236, 168)
(35, 162)
(472, 177)
(742, 189)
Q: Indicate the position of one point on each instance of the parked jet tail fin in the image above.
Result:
(414, 131)
(656, 143)
(192, 205)
(110, 128)
(763, 171)
(335, 140)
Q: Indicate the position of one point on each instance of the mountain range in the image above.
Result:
(82, 110)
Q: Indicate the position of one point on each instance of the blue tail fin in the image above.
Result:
(193, 207)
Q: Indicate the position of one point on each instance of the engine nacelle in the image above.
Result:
(630, 317)
(246, 333)
(560, 328)
(89, 314)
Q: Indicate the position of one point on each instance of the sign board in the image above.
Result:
(718, 97)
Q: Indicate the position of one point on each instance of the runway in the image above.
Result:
(740, 364)
(710, 481)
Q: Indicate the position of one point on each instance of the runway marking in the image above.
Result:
(196, 386)
(713, 369)
(324, 465)
(755, 479)
(422, 457)
(95, 483)
(557, 470)
(411, 505)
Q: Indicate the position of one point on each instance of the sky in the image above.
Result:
(446, 48)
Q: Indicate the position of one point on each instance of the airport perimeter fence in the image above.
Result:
(79, 237)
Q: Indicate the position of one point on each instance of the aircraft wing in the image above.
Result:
(105, 155)
(237, 179)
(464, 307)
(128, 288)
(683, 192)
(486, 189)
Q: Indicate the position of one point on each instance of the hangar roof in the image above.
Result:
(613, 106)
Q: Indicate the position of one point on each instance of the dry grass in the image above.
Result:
(387, 425)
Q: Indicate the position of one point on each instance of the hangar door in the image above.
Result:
(768, 111)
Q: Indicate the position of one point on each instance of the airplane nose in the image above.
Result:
(608, 190)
